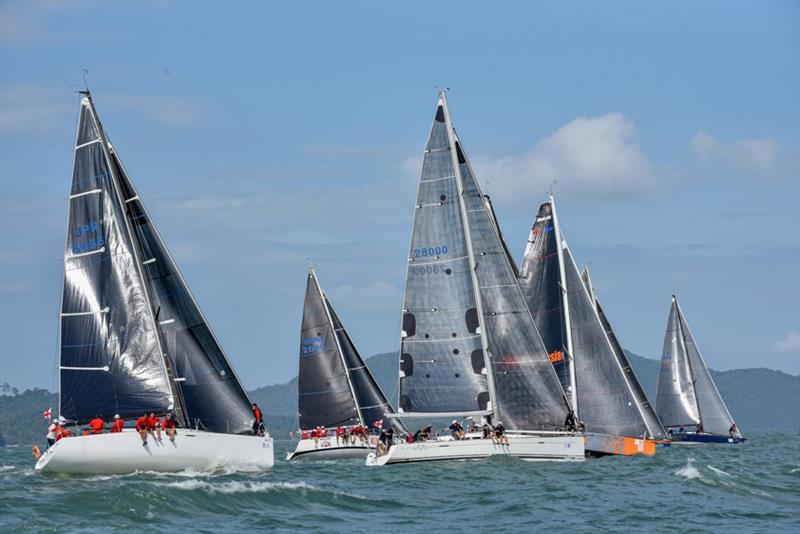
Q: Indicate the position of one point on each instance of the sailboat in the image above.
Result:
(687, 395)
(132, 338)
(469, 347)
(602, 388)
(335, 386)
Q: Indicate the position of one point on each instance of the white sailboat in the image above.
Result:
(602, 387)
(469, 346)
(133, 340)
(688, 401)
(335, 387)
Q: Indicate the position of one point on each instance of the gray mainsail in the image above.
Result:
(711, 409)
(210, 395)
(325, 394)
(654, 427)
(676, 402)
(442, 364)
(469, 342)
(111, 359)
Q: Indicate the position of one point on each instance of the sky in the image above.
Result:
(266, 136)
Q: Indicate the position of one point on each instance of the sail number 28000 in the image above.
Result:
(426, 252)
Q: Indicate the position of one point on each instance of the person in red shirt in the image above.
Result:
(340, 433)
(97, 424)
(117, 425)
(141, 428)
(154, 426)
(258, 424)
(169, 426)
(62, 431)
(304, 434)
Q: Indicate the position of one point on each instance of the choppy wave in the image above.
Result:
(753, 487)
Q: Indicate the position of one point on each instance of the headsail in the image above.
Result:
(676, 402)
(111, 360)
(654, 427)
(442, 365)
(605, 388)
(210, 393)
(710, 408)
(527, 391)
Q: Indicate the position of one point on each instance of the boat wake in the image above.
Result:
(689, 471)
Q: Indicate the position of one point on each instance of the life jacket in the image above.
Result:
(257, 413)
(304, 434)
(97, 425)
(168, 423)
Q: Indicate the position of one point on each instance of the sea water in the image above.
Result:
(753, 487)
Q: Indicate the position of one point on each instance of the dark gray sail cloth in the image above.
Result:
(540, 280)
(713, 413)
(654, 428)
(372, 404)
(110, 356)
(676, 403)
(325, 397)
(442, 365)
(606, 403)
(211, 394)
(527, 390)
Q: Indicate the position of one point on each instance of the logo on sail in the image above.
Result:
(311, 345)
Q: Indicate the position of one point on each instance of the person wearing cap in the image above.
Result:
(456, 430)
(61, 430)
(96, 425)
(118, 424)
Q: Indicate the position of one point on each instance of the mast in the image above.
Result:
(137, 261)
(471, 255)
(313, 274)
(567, 322)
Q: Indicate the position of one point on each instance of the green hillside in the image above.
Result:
(761, 400)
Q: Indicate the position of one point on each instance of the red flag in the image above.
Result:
(378, 424)
(47, 413)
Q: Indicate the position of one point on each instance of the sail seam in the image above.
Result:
(437, 179)
(75, 314)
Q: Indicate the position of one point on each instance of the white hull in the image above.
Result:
(123, 452)
(330, 449)
(524, 446)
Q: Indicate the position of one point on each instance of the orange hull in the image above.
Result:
(603, 444)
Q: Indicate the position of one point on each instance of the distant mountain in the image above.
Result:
(760, 400)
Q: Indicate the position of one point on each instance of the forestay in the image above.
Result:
(110, 361)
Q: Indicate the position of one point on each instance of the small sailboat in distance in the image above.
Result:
(469, 346)
(336, 390)
(687, 395)
(134, 341)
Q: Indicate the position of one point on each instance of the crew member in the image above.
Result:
(169, 426)
(733, 430)
(569, 422)
(118, 424)
(154, 426)
(96, 425)
(258, 424)
(51, 433)
(141, 428)
(500, 433)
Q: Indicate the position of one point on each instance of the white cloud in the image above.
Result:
(377, 295)
(587, 155)
(789, 344)
(759, 155)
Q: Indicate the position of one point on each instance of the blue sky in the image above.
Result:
(264, 135)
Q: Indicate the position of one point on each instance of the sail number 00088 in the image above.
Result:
(426, 252)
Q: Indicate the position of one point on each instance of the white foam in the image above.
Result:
(238, 487)
(5, 467)
(688, 471)
(719, 471)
